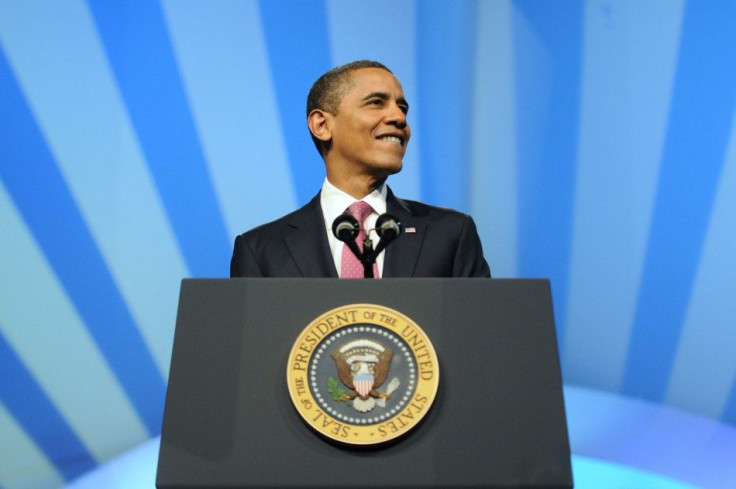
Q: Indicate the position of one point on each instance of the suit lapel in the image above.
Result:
(401, 255)
(308, 244)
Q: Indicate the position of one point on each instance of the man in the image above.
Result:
(356, 114)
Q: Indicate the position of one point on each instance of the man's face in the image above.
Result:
(370, 132)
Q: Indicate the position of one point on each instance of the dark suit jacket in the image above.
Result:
(445, 244)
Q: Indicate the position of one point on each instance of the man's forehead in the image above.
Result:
(375, 80)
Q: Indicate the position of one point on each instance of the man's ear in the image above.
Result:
(320, 124)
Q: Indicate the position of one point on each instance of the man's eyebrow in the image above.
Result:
(381, 95)
(385, 96)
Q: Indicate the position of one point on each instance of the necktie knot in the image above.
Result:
(360, 210)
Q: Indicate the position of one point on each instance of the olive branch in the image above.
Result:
(333, 387)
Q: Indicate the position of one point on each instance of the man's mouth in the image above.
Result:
(393, 139)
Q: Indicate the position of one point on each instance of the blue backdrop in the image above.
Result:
(593, 142)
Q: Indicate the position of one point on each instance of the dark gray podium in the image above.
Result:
(498, 419)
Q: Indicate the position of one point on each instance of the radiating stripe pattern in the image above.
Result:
(594, 142)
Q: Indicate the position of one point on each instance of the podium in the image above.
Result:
(498, 419)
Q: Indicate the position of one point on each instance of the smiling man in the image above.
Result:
(356, 114)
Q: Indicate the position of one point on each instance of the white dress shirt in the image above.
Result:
(335, 202)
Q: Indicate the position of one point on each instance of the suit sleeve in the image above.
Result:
(469, 260)
(243, 263)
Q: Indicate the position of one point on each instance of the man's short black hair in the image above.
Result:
(329, 89)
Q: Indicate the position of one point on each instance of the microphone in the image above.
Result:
(346, 228)
(388, 228)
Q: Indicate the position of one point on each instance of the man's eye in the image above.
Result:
(377, 101)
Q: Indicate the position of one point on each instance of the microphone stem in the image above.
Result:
(368, 259)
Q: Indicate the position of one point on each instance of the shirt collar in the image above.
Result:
(334, 201)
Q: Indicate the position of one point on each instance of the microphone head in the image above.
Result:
(388, 227)
(345, 227)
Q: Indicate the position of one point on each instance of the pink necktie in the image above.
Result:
(351, 266)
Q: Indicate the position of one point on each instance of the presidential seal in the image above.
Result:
(362, 374)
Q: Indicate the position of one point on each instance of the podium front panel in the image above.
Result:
(498, 419)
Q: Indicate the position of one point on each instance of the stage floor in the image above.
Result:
(616, 442)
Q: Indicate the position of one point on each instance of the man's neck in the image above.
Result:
(355, 186)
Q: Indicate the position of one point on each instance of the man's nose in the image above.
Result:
(396, 116)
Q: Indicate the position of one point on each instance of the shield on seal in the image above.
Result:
(363, 384)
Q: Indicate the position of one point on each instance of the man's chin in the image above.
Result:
(394, 167)
(386, 171)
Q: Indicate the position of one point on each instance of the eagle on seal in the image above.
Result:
(363, 366)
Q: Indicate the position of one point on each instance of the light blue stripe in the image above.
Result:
(102, 162)
(704, 370)
(493, 185)
(445, 90)
(224, 65)
(298, 53)
(43, 198)
(56, 347)
(701, 115)
(548, 44)
(18, 454)
(140, 54)
(38, 416)
(628, 73)
(353, 25)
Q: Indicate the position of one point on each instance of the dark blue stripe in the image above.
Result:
(138, 47)
(699, 127)
(548, 89)
(446, 35)
(729, 410)
(299, 52)
(29, 172)
(35, 412)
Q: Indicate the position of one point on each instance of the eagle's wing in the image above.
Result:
(343, 370)
(382, 367)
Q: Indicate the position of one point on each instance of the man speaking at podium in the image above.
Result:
(356, 114)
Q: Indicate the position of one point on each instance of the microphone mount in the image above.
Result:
(346, 228)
